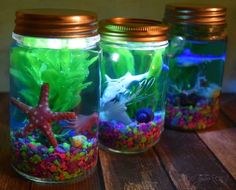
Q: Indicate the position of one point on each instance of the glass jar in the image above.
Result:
(197, 56)
(134, 71)
(54, 92)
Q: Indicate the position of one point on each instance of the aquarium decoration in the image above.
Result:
(117, 94)
(55, 84)
(118, 124)
(187, 58)
(40, 159)
(83, 124)
(132, 137)
(133, 85)
(194, 108)
(41, 116)
(66, 84)
(197, 54)
(144, 115)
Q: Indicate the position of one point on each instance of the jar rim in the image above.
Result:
(195, 14)
(133, 29)
(57, 43)
(133, 45)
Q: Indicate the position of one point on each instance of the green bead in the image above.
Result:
(24, 147)
(36, 159)
(135, 131)
(66, 146)
(81, 154)
(143, 139)
(51, 149)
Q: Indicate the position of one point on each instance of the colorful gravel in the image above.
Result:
(200, 116)
(65, 162)
(132, 138)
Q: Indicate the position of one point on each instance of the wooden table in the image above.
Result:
(181, 160)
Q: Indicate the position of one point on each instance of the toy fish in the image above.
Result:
(118, 93)
(115, 111)
(119, 86)
(187, 58)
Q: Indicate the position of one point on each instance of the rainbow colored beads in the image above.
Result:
(132, 138)
(204, 114)
(64, 162)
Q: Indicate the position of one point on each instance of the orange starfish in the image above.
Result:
(41, 117)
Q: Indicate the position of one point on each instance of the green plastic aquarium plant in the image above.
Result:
(122, 61)
(150, 87)
(65, 70)
(185, 79)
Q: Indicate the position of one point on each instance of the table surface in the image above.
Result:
(181, 160)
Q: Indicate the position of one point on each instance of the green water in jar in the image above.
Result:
(195, 79)
(133, 86)
(58, 143)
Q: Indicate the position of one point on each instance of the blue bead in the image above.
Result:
(144, 115)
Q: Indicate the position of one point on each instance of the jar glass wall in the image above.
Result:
(195, 80)
(55, 88)
(133, 95)
(197, 54)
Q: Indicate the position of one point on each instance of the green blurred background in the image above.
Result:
(153, 9)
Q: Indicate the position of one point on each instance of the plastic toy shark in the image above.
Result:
(117, 94)
(187, 58)
(119, 86)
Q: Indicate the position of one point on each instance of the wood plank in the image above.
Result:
(91, 183)
(221, 139)
(190, 164)
(8, 178)
(134, 172)
(228, 106)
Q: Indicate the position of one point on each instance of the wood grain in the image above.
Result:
(8, 178)
(228, 106)
(136, 172)
(190, 164)
(221, 140)
(91, 183)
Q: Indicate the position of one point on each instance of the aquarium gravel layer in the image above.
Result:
(204, 114)
(132, 138)
(61, 163)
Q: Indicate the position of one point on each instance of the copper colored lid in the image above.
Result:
(131, 29)
(55, 23)
(195, 14)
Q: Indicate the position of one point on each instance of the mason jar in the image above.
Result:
(54, 94)
(134, 70)
(197, 57)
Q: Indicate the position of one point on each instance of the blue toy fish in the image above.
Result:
(187, 58)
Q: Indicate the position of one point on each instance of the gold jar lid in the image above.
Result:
(195, 14)
(131, 29)
(56, 23)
